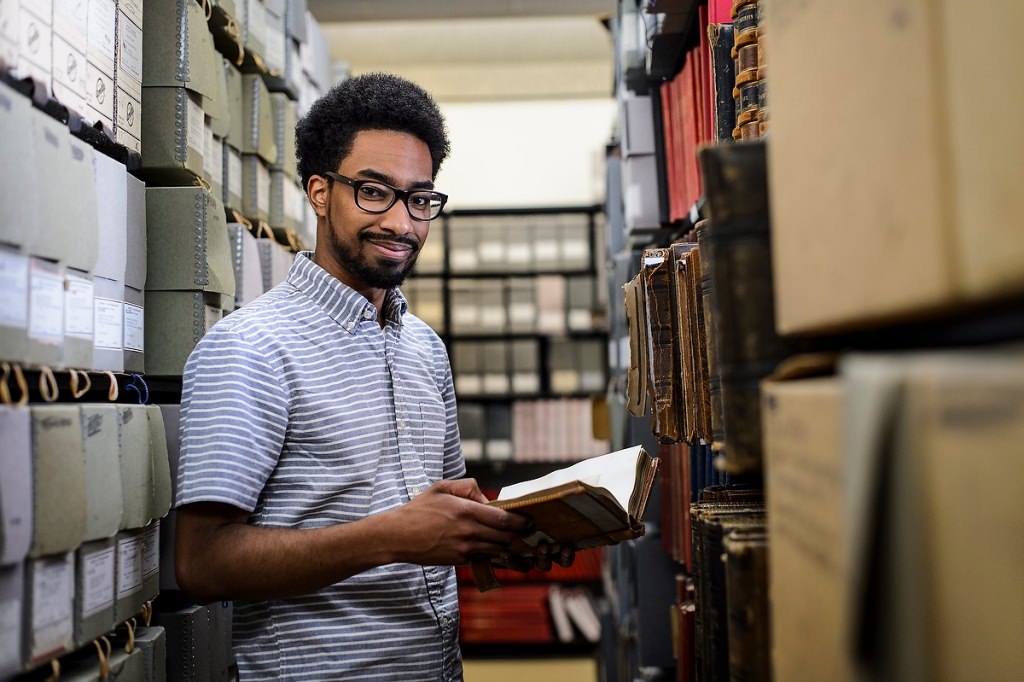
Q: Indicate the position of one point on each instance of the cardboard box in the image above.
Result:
(35, 43)
(804, 468)
(235, 134)
(160, 502)
(152, 642)
(134, 329)
(490, 300)
(640, 195)
(213, 161)
(245, 255)
(173, 133)
(175, 323)
(472, 431)
(12, 630)
(16, 488)
(19, 190)
(257, 119)
(129, 597)
(891, 186)
(284, 134)
(95, 580)
(254, 25)
(136, 467)
(921, 429)
(104, 500)
(14, 269)
(636, 122)
(275, 261)
(68, 80)
(49, 606)
(256, 184)
(170, 62)
(187, 242)
(111, 182)
(232, 184)
(9, 32)
(494, 368)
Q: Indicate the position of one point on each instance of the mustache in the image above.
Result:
(411, 242)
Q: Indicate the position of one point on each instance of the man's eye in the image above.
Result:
(420, 200)
(373, 192)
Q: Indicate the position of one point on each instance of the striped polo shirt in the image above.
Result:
(300, 409)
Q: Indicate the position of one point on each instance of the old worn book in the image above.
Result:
(599, 501)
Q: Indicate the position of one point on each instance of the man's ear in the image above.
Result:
(318, 194)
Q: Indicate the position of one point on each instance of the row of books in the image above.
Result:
(558, 430)
(528, 614)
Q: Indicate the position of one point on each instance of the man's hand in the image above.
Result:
(450, 522)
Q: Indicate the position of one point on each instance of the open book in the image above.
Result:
(599, 501)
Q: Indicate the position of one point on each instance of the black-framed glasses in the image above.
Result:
(374, 196)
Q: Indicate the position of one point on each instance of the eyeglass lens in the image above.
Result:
(378, 198)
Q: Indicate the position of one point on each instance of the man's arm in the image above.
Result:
(219, 556)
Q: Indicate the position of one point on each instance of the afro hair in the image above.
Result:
(374, 101)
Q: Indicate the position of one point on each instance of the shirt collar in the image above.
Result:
(342, 303)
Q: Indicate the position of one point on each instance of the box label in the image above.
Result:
(10, 630)
(213, 316)
(234, 175)
(518, 253)
(102, 17)
(134, 327)
(195, 135)
(262, 188)
(151, 550)
(97, 581)
(129, 566)
(108, 324)
(46, 306)
(13, 290)
(78, 314)
(129, 56)
(52, 591)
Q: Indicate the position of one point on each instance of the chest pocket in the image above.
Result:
(429, 435)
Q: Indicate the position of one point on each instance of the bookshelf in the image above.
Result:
(848, 346)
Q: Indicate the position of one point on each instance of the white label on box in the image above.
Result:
(518, 252)
(274, 47)
(46, 306)
(525, 382)
(492, 317)
(132, 8)
(102, 18)
(262, 188)
(134, 327)
(109, 324)
(129, 56)
(468, 384)
(97, 581)
(495, 383)
(491, 252)
(522, 313)
(212, 155)
(78, 315)
(580, 320)
(151, 550)
(195, 134)
(545, 250)
(99, 89)
(129, 116)
(464, 259)
(13, 290)
(575, 251)
(234, 174)
(35, 47)
(465, 316)
(129, 566)
(213, 316)
(52, 594)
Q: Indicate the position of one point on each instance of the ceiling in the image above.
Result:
(483, 50)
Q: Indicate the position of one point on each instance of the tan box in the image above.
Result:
(256, 186)
(891, 179)
(188, 242)
(934, 442)
(803, 468)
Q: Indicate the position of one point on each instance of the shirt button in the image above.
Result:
(402, 426)
(445, 621)
(367, 314)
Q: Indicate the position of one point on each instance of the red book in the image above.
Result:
(720, 11)
(670, 156)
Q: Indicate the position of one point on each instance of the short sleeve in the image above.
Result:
(234, 417)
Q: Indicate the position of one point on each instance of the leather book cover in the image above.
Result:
(637, 374)
(723, 69)
(746, 589)
(737, 246)
(682, 260)
(662, 344)
(715, 421)
(711, 522)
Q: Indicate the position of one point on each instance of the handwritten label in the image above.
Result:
(134, 327)
(52, 585)
(129, 566)
(108, 324)
(46, 306)
(97, 581)
(78, 314)
(195, 133)
(151, 550)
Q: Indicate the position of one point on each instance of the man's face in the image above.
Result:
(368, 250)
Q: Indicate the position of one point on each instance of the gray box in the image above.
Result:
(467, 367)
(175, 323)
(284, 134)
(472, 431)
(12, 629)
(168, 60)
(45, 312)
(20, 189)
(134, 329)
(188, 242)
(95, 580)
(104, 500)
(78, 319)
(256, 185)
(173, 133)
(495, 368)
(108, 325)
(525, 367)
(152, 642)
(257, 119)
(245, 256)
(49, 606)
(14, 268)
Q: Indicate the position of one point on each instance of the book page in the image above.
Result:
(615, 472)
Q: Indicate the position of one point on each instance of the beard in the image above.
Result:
(378, 273)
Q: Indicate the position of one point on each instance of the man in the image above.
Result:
(320, 478)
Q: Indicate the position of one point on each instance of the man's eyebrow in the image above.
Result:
(372, 174)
